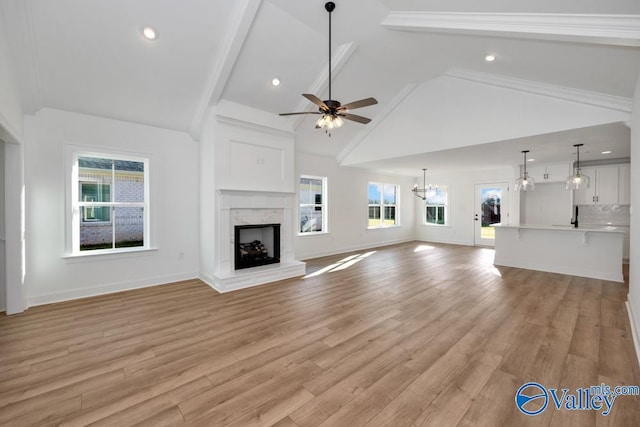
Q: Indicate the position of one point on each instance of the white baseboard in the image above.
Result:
(347, 249)
(110, 288)
(447, 242)
(634, 330)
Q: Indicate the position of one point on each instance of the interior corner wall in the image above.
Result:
(207, 201)
(347, 209)
(174, 211)
(634, 267)
(461, 187)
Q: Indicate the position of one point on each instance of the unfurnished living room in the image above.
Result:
(305, 213)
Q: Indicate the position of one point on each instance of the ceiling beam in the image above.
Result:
(619, 30)
(377, 120)
(321, 83)
(244, 15)
(596, 99)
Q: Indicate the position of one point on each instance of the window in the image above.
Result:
(383, 205)
(436, 207)
(313, 204)
(109, 203)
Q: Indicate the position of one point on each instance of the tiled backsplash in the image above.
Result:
(617, 215)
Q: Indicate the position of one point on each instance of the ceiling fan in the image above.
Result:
(331, 110)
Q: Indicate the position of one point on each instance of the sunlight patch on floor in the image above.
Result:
(343, 264)
(422, 248)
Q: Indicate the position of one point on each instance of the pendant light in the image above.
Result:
(425, 191)
(525, 182)
(577, 181)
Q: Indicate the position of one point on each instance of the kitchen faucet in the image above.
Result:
(574, 222)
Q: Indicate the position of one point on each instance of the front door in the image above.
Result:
(491, 208)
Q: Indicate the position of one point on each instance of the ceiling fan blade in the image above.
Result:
(303, 112)
(355, 118)
(320, 103)
(358, 104)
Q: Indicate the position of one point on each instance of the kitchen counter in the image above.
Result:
(591, 251)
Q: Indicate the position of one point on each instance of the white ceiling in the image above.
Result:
(88, 56)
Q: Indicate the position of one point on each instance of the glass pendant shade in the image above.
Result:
(577, 181)
(525, 182)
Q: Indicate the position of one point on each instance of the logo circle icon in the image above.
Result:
(531, 392)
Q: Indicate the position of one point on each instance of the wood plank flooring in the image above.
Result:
(414, 334)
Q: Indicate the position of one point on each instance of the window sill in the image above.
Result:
(108, 254)
(315, 233)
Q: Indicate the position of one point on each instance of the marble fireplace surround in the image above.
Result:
(247, 208)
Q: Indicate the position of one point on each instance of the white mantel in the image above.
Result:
(243, 208)
(247, 177)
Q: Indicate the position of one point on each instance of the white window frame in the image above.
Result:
(382, 205)
(426, 205)
(323, 206)
(74, 206)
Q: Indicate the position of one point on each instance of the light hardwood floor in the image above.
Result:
(411, 334)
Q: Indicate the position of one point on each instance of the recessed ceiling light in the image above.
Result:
(607, 152)
(149, 33)
(490, 58)
(275, 81)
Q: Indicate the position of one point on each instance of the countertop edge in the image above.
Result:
(561, 228)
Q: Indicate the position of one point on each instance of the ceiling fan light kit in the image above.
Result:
(332, 111)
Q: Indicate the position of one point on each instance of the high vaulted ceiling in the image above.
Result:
(564, 70)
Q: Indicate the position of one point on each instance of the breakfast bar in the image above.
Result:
(588, 252)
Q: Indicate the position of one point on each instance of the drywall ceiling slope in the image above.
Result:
(90, 57)
(451, 112)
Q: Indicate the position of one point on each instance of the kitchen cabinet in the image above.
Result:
(604, 188)
(549, 173)
(624, 193)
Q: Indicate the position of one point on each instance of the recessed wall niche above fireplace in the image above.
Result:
(256, 245)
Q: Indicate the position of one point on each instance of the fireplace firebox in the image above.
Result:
(256, 245)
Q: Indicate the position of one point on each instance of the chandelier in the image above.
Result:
(425, 191)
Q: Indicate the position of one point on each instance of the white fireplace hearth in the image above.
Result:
(252, 208)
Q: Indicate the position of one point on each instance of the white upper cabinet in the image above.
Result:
(605, 189)
(624, 193)
(549, 173)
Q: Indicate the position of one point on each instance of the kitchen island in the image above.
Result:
(588, 252)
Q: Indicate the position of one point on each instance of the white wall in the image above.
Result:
(11, 121)
(461, 202)
(634, 267)
(174, 207)
(3, 277)
(347, 205)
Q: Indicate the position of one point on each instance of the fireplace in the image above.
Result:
(256, 245)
